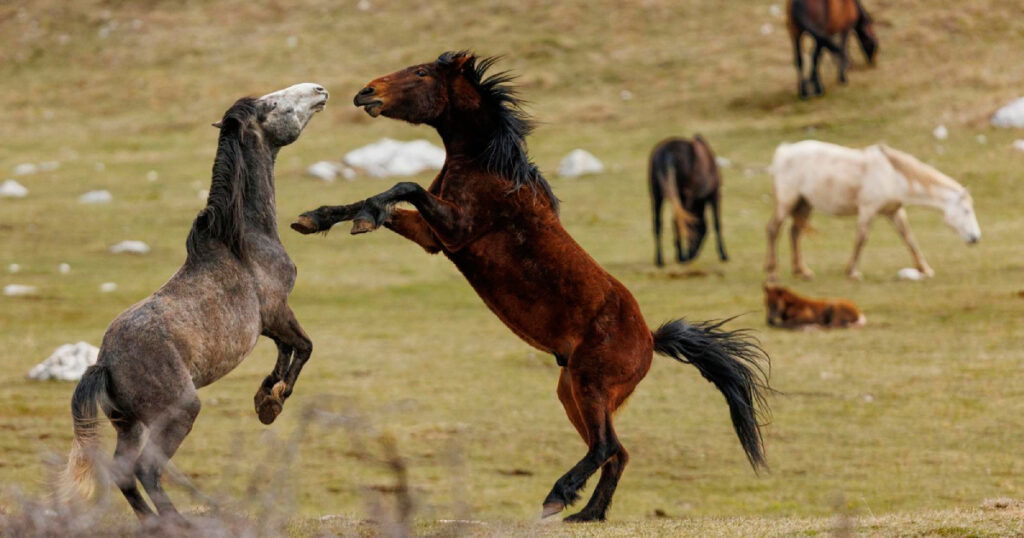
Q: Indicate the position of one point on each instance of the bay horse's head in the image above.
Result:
(422, 93)
(865, 29)
(282, 115)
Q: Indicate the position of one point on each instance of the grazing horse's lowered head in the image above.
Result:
(959, 215)
(865, 29)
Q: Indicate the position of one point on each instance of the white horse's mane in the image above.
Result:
(918, 172)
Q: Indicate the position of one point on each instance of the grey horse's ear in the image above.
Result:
(218, 124)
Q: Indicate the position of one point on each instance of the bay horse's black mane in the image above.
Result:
(506, 153)
(223, 218)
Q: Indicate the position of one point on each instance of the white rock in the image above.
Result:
(64, 268)
(13, 268)
(626, 95)
(291, 42)
(330, 170)
(108, 287)
(131, 247)
(99, 167)
(775, 10)
(12, 189)
(152, 175)
(67, 363)
(722, 162)
(96, 197)
(1010, 115)
(364, 5)
(982, 139)
(49, 166)
(940, 132)
(910, 273)
(1018, 144)
(388, 157)
(25, 169)
(19, 290)
(579, 162)
(767, 29)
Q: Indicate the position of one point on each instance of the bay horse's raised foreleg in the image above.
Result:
(453, 227)
(322, 218)
(410, 225)
(292, 341)
(902, 225)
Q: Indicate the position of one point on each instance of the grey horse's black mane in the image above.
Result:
(240, 154)
(506, 154)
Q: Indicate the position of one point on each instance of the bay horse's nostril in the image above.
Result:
(367, 91)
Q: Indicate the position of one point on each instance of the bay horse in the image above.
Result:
(877, 180)
(787, 310)
(493, 214)
(685, 173)
(199, 326)
(822, 19)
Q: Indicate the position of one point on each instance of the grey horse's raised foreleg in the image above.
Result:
(291, 340)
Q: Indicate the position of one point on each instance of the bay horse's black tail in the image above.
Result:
(732, 361)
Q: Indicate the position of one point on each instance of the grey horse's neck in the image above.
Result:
(260, 208)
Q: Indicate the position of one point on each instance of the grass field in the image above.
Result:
(906, 426)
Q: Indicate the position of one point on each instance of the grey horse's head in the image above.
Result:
(284, 114)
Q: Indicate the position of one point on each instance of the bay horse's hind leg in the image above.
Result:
(126, 456)
(589, 406)
(167, 431)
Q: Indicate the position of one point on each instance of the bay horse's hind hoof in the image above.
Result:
(551, 509)
(361, 226)
(269, 404)
(304, 225)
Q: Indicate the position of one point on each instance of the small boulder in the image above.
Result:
(19, 290)
(67, 363)
(910, 273)
(579, 162)
(940, 132)
(130, 247)
(12, 189)
(25, 169)
(1011, 115)
(96, 197)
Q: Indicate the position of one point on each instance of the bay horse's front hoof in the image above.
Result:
(305, 225)
(269, 404)
(361, 226)
(551, 509)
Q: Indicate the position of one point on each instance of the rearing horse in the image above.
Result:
(491, 213)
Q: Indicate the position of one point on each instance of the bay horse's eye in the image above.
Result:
(421, 72)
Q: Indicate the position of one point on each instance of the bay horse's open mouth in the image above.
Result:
(370, 105)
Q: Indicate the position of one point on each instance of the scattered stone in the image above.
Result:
(767, 29)
(775, 10)
(364, 5)
(96, 197)
(130, 247)
(1018, 144)
(910, 273)
(99, 167)
(25, 169)
(291, 42)
(982, 139)
(49, 166)
(108, 287)
(64, 268)
(1010, 115)
(12, 189)
(388, 157)
(13, 268)
(579, 162)
(152, 175)
(868, 398)
(722, 162)
(67, 363)
(19, 290)
(330, 170)
(940, 132)
(626, 95)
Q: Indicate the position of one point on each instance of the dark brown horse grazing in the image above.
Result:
(492, 214)
(685, 173)
(195, 329)
(823, 19)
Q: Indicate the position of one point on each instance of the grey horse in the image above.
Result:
(199, 326)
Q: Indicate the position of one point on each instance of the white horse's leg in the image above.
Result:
(801, 215)
(864, 219)
(773, 227)
(902, 225)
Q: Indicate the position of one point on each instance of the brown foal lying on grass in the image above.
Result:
(788, 310)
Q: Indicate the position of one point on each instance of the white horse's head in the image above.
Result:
(959, 215)
(285, 113)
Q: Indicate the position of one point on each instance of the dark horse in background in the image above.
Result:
(685, 173)
(195, 329)
(823, 19)
(494, 216)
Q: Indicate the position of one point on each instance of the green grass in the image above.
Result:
(919, 413)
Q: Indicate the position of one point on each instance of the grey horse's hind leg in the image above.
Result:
(286, 331)
(166, 434)
(126, 456)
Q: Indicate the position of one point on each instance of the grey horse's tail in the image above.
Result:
(77, 478)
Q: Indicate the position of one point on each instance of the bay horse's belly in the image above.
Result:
(545, 288)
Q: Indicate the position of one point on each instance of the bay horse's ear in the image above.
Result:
(462, 62)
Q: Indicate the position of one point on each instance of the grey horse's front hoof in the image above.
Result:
(269, 404)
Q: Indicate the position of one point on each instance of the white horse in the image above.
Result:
(864, 182)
